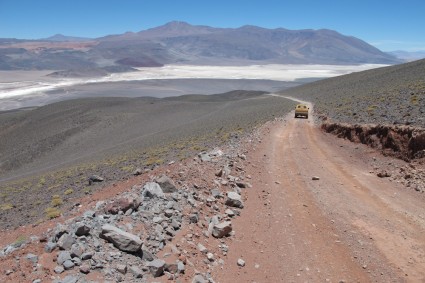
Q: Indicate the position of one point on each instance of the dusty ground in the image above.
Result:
(348, 226)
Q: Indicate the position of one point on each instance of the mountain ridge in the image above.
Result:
(182, 43)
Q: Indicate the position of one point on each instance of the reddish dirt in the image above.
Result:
(349, 226)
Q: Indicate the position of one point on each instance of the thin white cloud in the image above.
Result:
(391, 44)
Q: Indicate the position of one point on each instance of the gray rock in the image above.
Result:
(167, 185)
(199, 279)
(33, 258)
(241, 262)
(202, 248)
(63, 256)
(77, 250)
(180, 267)
(216, 193)
(204, 157)
(193, 218)
(122, 240)
(95, 179)
(59, 269)
(50, 247)
(147, 256)
(137, 272)
(121, 268)
(222, 229)
(76, 261)
(152, 190)
(175, 224)
(156, 267)
(70, 279)
(138, 172)
(37, 281)
(68, 264)
(82, 230)
(230, 212)
(87, 255)
(85, 269)
(89, 214)
(234, 200)
(65, 242)
(168, 213)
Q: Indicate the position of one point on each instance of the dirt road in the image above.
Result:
(348, 226)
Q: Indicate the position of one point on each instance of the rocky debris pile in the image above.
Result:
(154, 229)
(403, 142)
(411, 175)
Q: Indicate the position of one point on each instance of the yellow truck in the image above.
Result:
(301, 110)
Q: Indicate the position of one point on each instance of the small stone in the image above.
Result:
(59, 269)
(241, 262)
(222, 229)
(234, 200)
(315, 178)
(63, 256)
(156, 267)
(202, 249)
(199, 279)
(33, 258)
(49, 247)
(122, 268)
(210, 256)
(85, 269)
(167, 185)
(68, 264)
(65, 242)
(137, 172)
(137, 272)
(82, 230)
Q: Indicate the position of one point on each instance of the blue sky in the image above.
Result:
(388, 25)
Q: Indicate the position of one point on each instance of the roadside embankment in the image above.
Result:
(403, 142)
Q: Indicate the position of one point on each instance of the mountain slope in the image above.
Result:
(179, 42)
(390, 95)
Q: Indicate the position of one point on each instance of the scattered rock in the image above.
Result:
(234, 200)
(152, 190)
(122, 240)
(82, 230)
(95, 179)
(199, 279)
(315, 178)
(167, 185)
(122, 204)
(383, 174)
(137, 272)
(223, 229)
(65, 242)
(156, 267)
(138, 171)
(241, 262)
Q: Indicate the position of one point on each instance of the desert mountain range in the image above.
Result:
(182, 43)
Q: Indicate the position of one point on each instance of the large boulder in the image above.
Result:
(167, 185)
(152, 190)
(122, 240)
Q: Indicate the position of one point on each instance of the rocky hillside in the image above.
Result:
(390, 95)
(177, 227)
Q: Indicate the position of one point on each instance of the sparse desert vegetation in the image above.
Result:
(61, 145)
